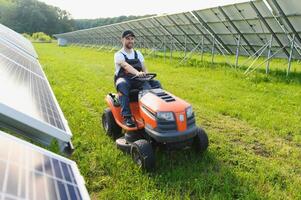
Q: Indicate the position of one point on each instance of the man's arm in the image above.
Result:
(128, 68)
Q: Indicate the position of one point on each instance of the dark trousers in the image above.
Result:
(124, 85)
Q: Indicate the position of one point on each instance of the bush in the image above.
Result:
(27, 36)
(41, 37)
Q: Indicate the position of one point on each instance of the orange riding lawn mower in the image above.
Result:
(162, 120)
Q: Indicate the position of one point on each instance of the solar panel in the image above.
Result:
(32, 64)
(27, 103)
(17, 40)
(28, 172)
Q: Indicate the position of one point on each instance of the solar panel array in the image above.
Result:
(251, 25)
(27, 102)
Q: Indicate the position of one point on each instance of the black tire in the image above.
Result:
(109, 124)
(201, 141)
(143, 155)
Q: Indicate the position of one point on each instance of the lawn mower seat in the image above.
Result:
(133, 95)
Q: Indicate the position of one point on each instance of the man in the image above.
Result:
(129, 63)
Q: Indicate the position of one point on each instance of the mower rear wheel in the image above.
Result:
(201, 141)
(109, 124)
(143, 155)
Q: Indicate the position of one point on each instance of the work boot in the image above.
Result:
(129, 122)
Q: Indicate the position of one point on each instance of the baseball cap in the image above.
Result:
(128, 33)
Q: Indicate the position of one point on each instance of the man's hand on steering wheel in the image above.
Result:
(141, 74)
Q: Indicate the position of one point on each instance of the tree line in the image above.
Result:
(31, 16)
(89, 23)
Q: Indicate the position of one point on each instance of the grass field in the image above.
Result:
(253, 123)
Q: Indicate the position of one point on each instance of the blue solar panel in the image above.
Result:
(30, 172)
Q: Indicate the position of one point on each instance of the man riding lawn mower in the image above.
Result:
(149, 115)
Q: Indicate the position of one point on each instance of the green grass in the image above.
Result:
(253, 125)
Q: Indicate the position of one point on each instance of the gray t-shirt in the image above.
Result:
(119, 57)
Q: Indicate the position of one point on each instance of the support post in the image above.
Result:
(291, 55)
(185, 46)
(202, 50)
(171, 48)
(164, 40)
(267, 70)
(213, 50)
(237, 51)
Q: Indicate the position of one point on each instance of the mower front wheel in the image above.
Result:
(201, 141)
(109, 124)
(143, 155)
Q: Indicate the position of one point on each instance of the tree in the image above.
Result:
(29, 16)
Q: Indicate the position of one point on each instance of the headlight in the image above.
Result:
(166, 116)
(189, 112)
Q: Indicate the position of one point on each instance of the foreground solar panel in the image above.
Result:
(17, 40)
(28, 172)
(27, 103)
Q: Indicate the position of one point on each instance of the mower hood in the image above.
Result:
(160, 100)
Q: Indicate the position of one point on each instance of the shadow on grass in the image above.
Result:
(191, 175)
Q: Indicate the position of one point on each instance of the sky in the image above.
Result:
(90, 9)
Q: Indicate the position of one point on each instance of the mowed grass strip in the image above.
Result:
(253, 125)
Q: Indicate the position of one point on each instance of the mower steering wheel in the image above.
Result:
(148, 76)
